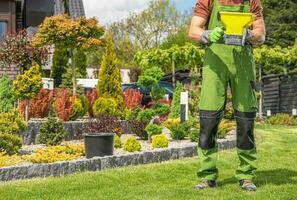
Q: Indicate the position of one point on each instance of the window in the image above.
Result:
(3, 28)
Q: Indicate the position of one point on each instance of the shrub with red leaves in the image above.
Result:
(92, 96)
(39, 106)
(64, 103)
(132, 98)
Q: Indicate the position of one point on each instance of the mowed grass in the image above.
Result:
(276, 177)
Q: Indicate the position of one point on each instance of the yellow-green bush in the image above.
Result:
(282, 119)
(160, 141)
(225, 127)
(170, 122)
(56, 153)
(80, 107)
(117, 142)
(132, 144)
(6, 160)
(106, 106)
(153, 129)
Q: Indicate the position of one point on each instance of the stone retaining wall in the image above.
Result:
(74, 130)
(101, 163)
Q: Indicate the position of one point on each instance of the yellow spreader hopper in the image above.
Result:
(235, 24)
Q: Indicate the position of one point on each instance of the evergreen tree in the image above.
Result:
(80, 60)
(109, 83)
(59, 67)
(175, 109)
(6, 94)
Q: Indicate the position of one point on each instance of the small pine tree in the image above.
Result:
(109, 83)
(175, 109)
(28, 85)
(59, 67)
(7, 97)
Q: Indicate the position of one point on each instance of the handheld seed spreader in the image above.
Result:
(236, 24)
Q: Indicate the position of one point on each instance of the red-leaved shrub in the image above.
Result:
(92, 96)
(132, 98)
(39, 106)
(64, 103)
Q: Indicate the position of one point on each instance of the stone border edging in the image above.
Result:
(101, 163)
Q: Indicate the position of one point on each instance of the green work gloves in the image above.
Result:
(212, 36)
(216, 34)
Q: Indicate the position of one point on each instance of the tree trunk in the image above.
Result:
(27, 110)
(74, 85)
(173, 73)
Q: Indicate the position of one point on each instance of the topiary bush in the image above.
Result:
(146, 115)
(117, 142)
(52, 132)
(282, 119)
(153, 129)
(80, 107)
(160, 141)
(131, 144)
(106, 106)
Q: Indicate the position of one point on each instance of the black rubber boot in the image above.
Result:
(247, 185)
(206, 184)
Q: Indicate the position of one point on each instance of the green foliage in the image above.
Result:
(146, 115)
(179, 132)
(7, 97)
(52, 132)
(282, 119)
(160, 141)
(28, 85)
(153, 129)
(161, 109)
(131, 144)
(11, 124)
(280, 19)
(80, 60)
(229, 114)
(175, 109)
(80, 107)
(117, 142)
(59, 66)
(276, 60)
(109, 83)
(105, 106)
(194, 134)
(225, 127)
(10, 143)
(150, 78)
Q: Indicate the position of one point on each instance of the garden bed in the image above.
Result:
(176, 150)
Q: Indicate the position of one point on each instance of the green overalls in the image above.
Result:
(234, 66)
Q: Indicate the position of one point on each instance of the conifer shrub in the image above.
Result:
(105, 106)
(160, 141)
(117, 142)
(131, 144)
(146, 115)
(11, 124)
(52, 132)
(7, 97)
(63, 104)
(80, 107)
(175, 107)
(109, 80)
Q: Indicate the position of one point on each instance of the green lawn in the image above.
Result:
(276, 177)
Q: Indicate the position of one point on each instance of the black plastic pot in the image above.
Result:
(98, 144)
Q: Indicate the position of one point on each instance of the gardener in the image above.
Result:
(224, 65)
